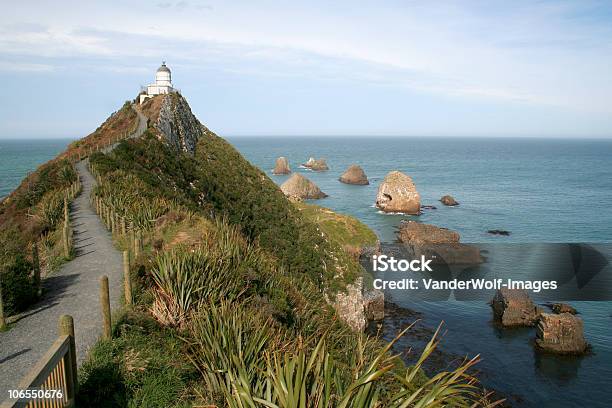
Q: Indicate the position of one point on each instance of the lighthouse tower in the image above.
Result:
(162, 85)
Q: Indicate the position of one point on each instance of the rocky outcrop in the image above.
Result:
(561, 334)
(563, 308)
(397, 193)
(316, 164)
(416, 233)
(281, 166)
(349, 306)
(441, 245)
(374, 305)
(513, 307)
(448, 200)
(300, 187)
(354, 175)
(177, 124)
(356, 308)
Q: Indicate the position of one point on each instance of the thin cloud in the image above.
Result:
(548, 53)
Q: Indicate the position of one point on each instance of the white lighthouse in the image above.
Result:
(162, 85)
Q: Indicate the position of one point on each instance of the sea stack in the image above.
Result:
(513, 307)
(281, 166)
(316, 164)
(354, 175)
(560, 334)
(448, 201)
(300, 187)
(397, 193)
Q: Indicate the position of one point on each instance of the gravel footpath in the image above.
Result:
(73, 290)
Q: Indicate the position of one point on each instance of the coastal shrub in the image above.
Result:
(227, 344)
(161, 171)
(17, 287)
(222, 266)
(244, 361)
(51, 208)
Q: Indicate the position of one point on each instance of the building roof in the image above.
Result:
(163, 68)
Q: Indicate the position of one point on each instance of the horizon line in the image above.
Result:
(343, 135)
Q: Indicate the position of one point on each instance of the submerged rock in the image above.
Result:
(449, 201)
(281, 166)
(499, 232)
(428, 207)
(316, 165)
(560, 333)
(397, 193)
(300, 187)
(513, 307)
(354, 175)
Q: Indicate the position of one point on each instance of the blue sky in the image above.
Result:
(477, 68)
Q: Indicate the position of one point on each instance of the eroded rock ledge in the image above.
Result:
(177, 124)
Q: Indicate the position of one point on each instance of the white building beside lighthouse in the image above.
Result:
(162, 85)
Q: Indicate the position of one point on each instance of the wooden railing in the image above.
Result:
(52, 382)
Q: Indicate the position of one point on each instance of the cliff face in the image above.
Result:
(177, 124)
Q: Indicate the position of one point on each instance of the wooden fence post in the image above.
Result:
(66, 328)
(2, 318)
(105, 305)
(36, 262)
(66, 239)
(107, 216)
(136, 244)
(66, 214)
(127, 282)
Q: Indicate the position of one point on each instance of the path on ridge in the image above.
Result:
(73, 290)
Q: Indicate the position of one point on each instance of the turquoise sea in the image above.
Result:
(541, 190)
(20, 157)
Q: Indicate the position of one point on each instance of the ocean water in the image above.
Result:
(541, 190)
(20, 157)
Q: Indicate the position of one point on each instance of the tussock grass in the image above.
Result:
(143, 366)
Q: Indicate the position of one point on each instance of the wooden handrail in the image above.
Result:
(40, 372)
(56, 370)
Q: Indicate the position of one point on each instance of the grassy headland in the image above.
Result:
(233, 290)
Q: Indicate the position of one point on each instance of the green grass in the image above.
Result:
(342, 229)
(143, 366)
